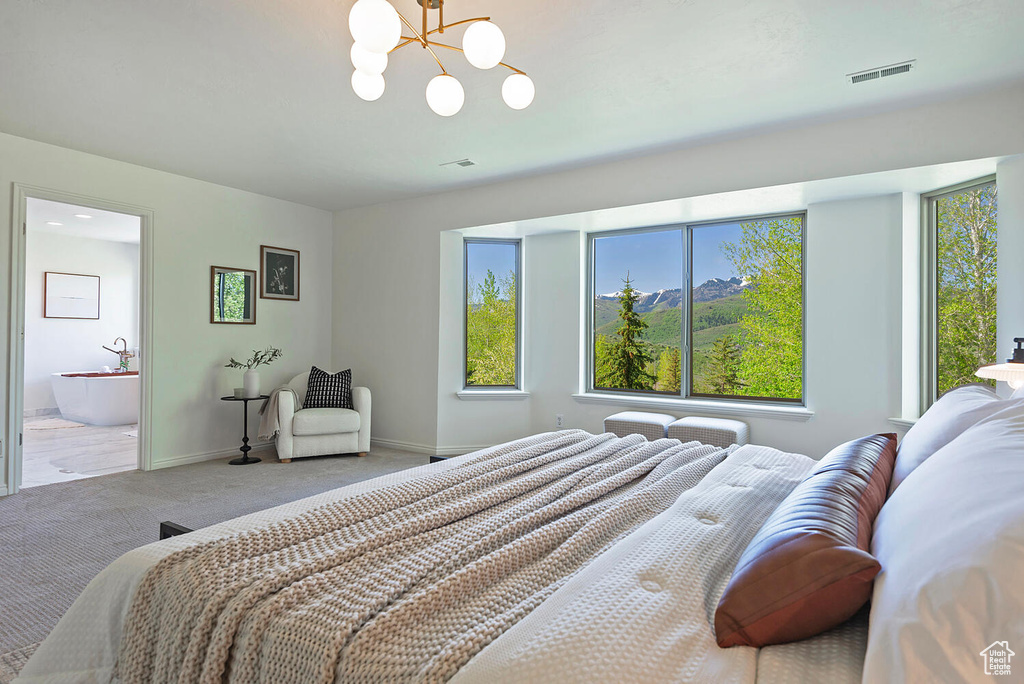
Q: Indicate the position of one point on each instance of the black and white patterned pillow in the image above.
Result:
(326, 390)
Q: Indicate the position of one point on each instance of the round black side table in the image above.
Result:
(245, 460)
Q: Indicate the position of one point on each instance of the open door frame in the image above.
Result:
(16, 324)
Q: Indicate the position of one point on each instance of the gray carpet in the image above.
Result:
(56, 538)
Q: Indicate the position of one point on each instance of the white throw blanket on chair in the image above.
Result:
(270, 424)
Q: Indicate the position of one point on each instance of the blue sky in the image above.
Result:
(499, 258)
(654, 260)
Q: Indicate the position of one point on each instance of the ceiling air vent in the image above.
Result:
(460, 162)
(881, 72)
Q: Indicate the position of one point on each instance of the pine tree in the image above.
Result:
(724, 366)
(629, 358)
(669, 372)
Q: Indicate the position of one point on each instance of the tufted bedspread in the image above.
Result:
(564, 556)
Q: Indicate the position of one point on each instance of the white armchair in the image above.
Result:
(321, 431)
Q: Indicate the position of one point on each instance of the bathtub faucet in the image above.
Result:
(123, 354)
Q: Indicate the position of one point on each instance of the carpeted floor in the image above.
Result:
(56, 538)
(11, 663)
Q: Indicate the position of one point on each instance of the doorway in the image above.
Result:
(80, 320)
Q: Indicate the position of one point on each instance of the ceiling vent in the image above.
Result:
(881, 72)
(460, 162)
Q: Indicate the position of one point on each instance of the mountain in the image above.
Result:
(713, 289)
(716, 288)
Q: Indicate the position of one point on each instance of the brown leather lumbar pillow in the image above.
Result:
(808, 568)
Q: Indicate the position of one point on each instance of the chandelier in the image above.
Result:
(378, 31)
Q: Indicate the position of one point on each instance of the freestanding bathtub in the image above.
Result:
(97, 398)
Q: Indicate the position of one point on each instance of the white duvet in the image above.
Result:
(640, 612)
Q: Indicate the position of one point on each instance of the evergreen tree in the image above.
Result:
(629, 358)
(724, 366)
(669, 371)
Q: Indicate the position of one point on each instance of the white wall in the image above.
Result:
(55, 345)
(197, 224)
(393, 253)
(1010, 288)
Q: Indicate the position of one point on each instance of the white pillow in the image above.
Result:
(1019, 394)
(954, 412)
(951, 545)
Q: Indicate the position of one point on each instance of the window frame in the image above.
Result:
(686, 340)
(929, 342)
(518, 244)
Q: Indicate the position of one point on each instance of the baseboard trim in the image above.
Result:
(35, 413)
(427, 449)
(209, 456)
(405, 446)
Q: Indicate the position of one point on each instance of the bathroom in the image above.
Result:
(81, 392)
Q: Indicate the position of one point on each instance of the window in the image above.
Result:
(961, 240)
(711, 310)
(492, 313)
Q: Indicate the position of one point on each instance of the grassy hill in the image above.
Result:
(711, 320)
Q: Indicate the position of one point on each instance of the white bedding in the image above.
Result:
(640, 612)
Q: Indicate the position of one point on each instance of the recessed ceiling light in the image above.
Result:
(83, 216)
(54, 223)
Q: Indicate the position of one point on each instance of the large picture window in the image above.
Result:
(492, 296)
(962, 235)
(711, 310)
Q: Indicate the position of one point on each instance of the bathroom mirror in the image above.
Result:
(232, 298)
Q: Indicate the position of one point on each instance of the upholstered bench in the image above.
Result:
(650, 425)
(720, 432)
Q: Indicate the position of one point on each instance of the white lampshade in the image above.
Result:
(375, 25)
(368, 86)
(445, 95)
(367, 61)
(1011, 373)
(484, 44)
(518, 91)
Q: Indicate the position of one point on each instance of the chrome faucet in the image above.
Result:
(123, 354)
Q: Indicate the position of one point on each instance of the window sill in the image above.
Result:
(903, 423)
(713, 408)
(483, 395)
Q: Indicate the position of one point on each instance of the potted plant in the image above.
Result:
(251, 377)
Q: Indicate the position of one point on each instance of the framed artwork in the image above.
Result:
(71, 295)
(232, 295)
(280, 273)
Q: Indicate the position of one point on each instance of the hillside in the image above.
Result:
(711, 319)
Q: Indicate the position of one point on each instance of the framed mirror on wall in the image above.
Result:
(233, 293)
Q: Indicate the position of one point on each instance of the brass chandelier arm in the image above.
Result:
(410, 39)
(458, 49)
(423, 41)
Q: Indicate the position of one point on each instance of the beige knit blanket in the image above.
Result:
(404, 583)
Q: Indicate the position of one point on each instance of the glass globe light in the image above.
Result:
(373, 63)
(445, 95)
(375, 25)
(484, 44)
(368, 86)
(518, 91)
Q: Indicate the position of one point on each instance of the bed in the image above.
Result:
(564, 556)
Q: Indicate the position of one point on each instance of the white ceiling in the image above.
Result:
(254, 93)
(103, 225)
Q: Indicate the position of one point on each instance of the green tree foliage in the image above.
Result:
(229, 296)
(966, 284)
(669, 371)
(769, 255)
(491, 332)
(629, 357)
(723, 371)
